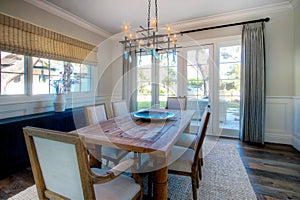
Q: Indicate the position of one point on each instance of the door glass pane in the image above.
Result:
(167, 77)
(198, 80)
(229, 87)
(144, 89)
(12, 73)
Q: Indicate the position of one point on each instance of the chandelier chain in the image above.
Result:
(149, 12)
(156, 13)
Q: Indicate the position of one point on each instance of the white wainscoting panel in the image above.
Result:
(296, 135)
(14, 107)
(282, 113)
(279, 120)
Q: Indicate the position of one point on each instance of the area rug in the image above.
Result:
(224, 177)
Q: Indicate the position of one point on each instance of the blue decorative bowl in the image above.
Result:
(153, 115)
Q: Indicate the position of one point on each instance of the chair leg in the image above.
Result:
(150, 184)
(138, 156)
(194, 186)
(200, 171)
(197, 181)
(201, 157)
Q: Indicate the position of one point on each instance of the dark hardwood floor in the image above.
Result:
(273, 169)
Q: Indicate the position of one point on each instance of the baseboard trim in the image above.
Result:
(278, 138)
(296, 143)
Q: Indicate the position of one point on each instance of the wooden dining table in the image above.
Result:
(153, 137)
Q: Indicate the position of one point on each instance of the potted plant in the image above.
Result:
(62, 86)
(60, 99)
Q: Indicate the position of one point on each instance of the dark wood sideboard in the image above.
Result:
(13, 151)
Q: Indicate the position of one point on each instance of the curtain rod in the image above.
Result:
(225, 25)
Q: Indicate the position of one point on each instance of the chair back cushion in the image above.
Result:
(59, 166)
(176, 103)
(119, 108)
(95, 114)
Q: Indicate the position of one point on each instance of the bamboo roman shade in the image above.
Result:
(20, 37)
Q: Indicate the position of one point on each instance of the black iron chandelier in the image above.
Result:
(149, 40)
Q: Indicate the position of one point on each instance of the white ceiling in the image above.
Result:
(110, 15)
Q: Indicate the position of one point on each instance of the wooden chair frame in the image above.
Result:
(88, 178)
(196, 166)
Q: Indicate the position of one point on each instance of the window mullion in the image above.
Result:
(29, 75)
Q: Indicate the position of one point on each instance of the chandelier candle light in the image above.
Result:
(148, 39)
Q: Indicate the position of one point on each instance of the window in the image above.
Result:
(144, 82)
(229, 86)
(42, 73)
(81, 77)
(230, 61)
(198, 72)
(47, 74)
(12, 73)
(164, 84)
(167, 77)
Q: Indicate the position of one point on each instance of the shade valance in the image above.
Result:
(21, 37)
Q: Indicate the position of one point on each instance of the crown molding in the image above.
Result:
(233, 16)
(295, 3)
(55, 10)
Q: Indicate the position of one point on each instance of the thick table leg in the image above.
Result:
(161, 184)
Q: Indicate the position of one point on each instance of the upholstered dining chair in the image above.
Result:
(119, 108)
(185, 161)
(61, 170)
(93, 115)
(176, 103)
(188, 139)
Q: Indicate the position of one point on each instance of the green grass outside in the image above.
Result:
(147, 104)
(233, 105)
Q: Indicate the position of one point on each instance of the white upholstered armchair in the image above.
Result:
(61, 170)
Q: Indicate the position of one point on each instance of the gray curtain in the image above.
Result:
(253, 84)
(130, 82)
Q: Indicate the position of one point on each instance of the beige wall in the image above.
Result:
(279, 54)
(297, 50)
(279, 37)
(110, 63)
(27, 12)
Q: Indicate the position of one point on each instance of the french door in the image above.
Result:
(213, 77)
(207, 74)
(156, 80)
